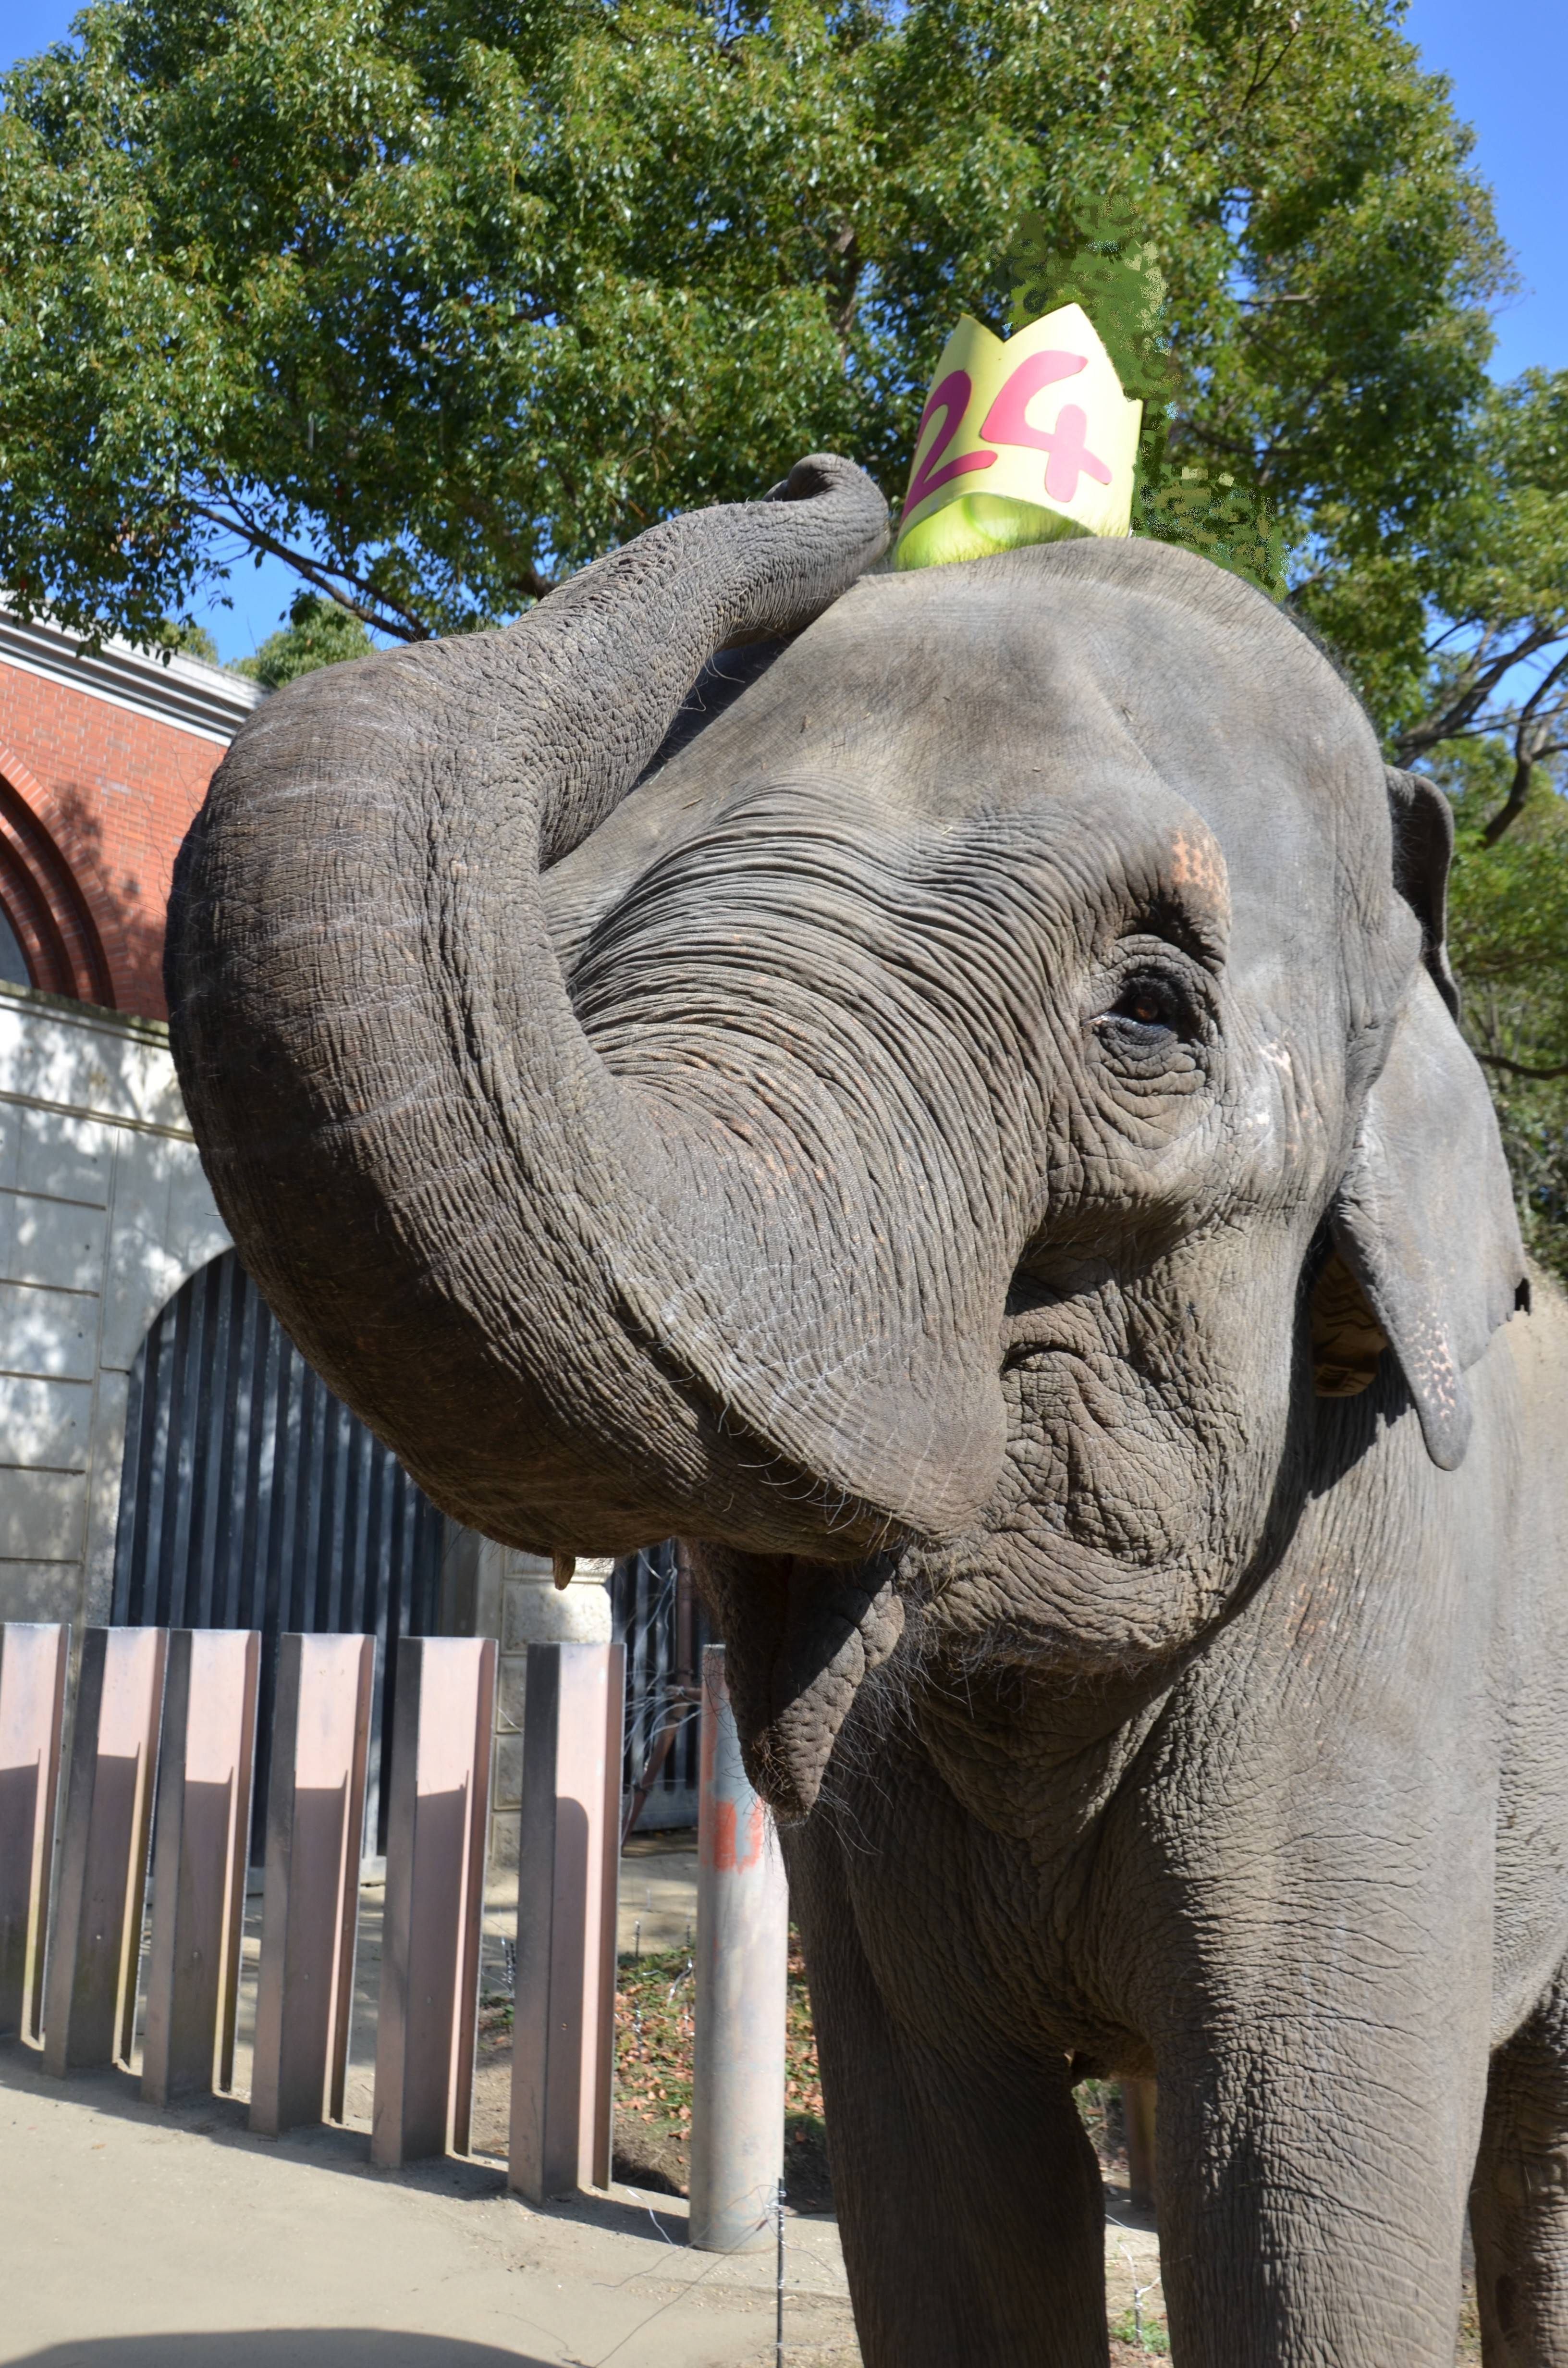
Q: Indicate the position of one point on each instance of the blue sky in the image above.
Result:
(1508, 66)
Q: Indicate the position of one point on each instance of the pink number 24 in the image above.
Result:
(1007, 422)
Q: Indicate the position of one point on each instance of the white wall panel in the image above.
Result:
(45, 1423)
(95, 1064)
(52, 1333)
(50, 1241)
(43, 1518)
(104, 1213)
(32, 1591)
(69, 1158)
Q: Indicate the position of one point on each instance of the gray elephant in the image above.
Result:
(955, 1102)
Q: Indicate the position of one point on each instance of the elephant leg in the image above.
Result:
(968, 2198)
(1311, 2214)
(1518, 2204)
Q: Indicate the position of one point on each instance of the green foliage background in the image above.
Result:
(318, 633)
(447, 297)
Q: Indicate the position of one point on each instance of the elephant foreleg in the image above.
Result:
(1315, 2222)
(968, 2198)
(1518, 2204)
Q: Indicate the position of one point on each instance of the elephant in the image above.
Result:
(943, 1089)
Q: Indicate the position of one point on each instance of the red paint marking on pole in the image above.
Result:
(733, 1854)
(737, 2135)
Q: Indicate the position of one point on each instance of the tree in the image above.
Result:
(318, 633)
(1508, 933)
(1458, 628)
(1459, 635)
(434, 302)
(193, 641)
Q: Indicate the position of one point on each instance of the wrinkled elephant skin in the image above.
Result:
(954, 1102)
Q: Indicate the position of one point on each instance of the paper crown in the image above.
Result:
(1022, 440)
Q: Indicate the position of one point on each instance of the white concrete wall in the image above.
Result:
(104, 1213)
(513, 1596)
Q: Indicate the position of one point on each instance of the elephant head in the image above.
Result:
(893, 1101)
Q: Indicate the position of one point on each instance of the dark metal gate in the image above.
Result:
(253, 1498)
(658, 1618)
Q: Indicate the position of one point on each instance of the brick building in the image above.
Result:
(104, 759)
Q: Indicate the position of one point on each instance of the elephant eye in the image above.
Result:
(1152, 1028)
(1146, 1004)
(1149, 1007)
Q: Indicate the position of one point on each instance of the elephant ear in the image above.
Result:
(1425, 1217)
(1423, 824)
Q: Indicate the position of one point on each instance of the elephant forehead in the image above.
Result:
(1050, 669)
(1130, 695)
(1148, 693)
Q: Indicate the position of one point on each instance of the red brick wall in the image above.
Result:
(115, 791)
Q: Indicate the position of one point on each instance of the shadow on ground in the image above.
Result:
(324, 2145)
(226, 2120)
(279, 2347)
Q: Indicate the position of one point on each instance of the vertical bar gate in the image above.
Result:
(253, 1498)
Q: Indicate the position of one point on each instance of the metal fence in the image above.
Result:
(253, 1498)
(657, 1617)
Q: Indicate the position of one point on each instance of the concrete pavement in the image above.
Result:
(130, 2238)
(134, 2238)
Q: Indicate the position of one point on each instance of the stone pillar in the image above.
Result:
(513, 1596)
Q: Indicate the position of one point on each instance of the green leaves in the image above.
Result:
(1104, 261)
(1109, 266)
(318, 633)
(1509, 936)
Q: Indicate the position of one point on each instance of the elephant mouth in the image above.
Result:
(802, 1638)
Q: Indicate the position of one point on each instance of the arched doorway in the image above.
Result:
(50, 928)
(251, 1498)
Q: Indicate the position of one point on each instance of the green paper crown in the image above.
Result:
(1107, 273)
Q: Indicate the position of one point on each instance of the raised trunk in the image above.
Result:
(514, 1265)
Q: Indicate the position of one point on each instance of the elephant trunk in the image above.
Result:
(479, 1233)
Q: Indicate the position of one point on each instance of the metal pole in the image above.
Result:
(743, 1938)
(95, 1947)
(206, 1760)
(315, 1819)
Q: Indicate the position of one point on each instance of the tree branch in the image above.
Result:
(388, 616)
(1466, 702)
(1532, 744)
(1513, 804)
(1520, 1069)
